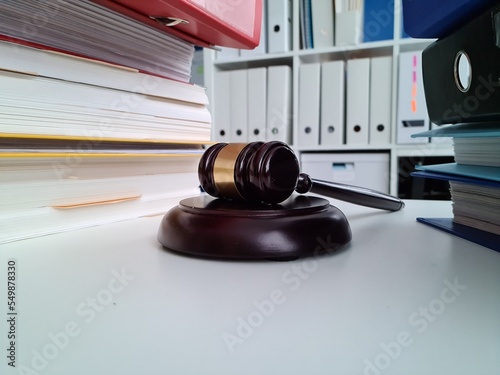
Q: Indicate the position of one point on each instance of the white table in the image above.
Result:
(402, 298)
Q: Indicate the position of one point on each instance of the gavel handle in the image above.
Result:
(357, 195)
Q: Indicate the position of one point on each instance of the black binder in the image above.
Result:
(450, 96)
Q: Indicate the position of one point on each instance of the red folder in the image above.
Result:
(206, 23)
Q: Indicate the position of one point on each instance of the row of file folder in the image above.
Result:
(322, 24)
(345, 102)
(339, 102)
(351, 102)
(253, 105)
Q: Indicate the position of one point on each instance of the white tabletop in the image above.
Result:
(402, 298)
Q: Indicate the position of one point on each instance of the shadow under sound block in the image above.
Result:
(219, 228)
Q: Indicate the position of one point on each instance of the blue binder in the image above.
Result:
(451, 172)
(378, 21)
(436, 19)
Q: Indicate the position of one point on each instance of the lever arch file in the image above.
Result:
(412, 114)
(279, 104)
(357, 101)
(221, 103)
(239, 106)
(461, 72)
(309, 104)
(332, 102)
(257, 103)
(380, 100)
(279, 26)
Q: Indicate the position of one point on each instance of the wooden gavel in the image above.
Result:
(268, 172)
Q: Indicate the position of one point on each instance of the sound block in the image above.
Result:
(218, 228)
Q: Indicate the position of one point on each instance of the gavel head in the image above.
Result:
(256, 172)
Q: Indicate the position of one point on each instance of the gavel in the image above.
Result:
(269, 172)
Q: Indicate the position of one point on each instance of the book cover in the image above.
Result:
(475, 191)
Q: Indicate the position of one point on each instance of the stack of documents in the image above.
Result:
(53, 186)
(474, 180)
(88, 98)
(460, 83)
(84, 28)
(98, 120)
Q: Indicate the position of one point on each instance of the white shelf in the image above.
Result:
(344, 148)
(297, 57)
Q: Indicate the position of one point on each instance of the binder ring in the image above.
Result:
(462, 71)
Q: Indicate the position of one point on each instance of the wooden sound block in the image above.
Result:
(219, 228)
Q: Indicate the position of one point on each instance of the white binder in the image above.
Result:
(358, 101)
(279, 104)
(239, 106)
(309, 101)
(322, 23)
(412, 110)
(257, 103)
(279, 25)
(380, 100)
(221, 107)
(332, 103)
(348, 22)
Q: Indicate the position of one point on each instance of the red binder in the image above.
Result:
(206, 23)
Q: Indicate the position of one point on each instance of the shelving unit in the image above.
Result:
(297, 57)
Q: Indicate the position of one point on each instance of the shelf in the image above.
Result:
(412, 43)
(344, 148)
(370, 49)
(284, 58)
(407, 150)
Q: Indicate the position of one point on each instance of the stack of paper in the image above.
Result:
(474, 182)
(60, 187)
(86, 29)
(98, 122)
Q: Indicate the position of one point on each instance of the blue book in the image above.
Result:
(468, 130)
(474, 174)
(488, 177)
(436, 19)
(486, 239)
(378, 20)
